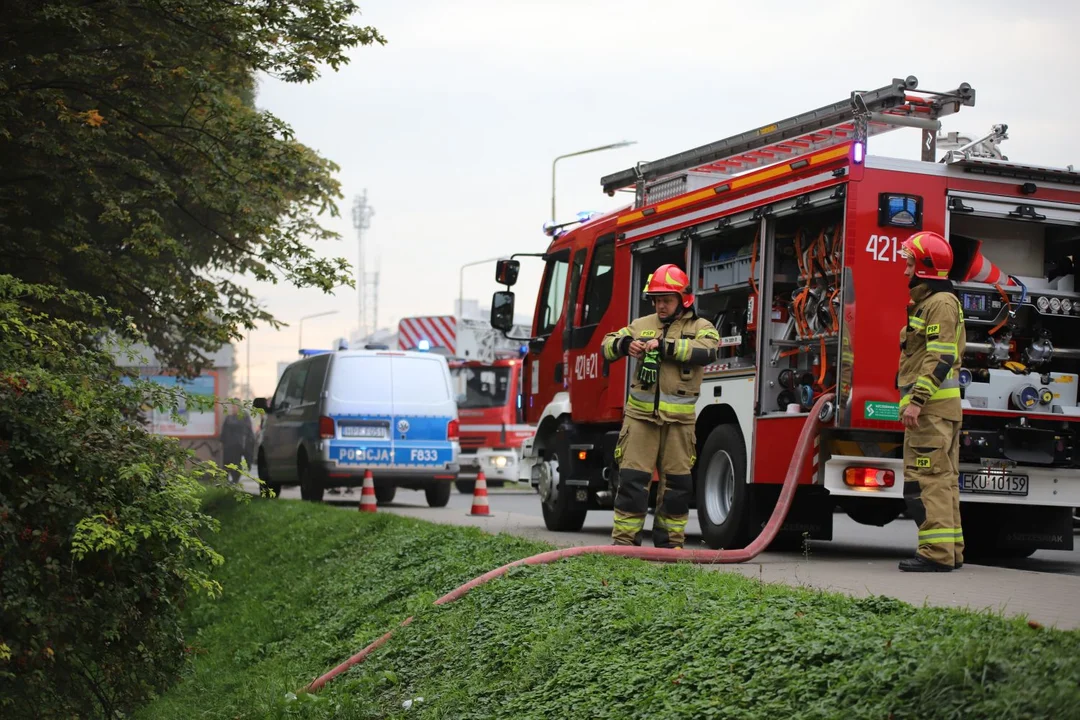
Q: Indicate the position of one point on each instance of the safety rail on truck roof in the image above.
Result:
(900, 104)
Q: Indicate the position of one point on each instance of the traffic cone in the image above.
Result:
(367, 494)
(480, 497)
(982, 270)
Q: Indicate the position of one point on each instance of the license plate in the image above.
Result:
(363, 431)
(993, 484)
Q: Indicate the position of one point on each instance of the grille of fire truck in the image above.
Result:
(471, 443)
(898, 104)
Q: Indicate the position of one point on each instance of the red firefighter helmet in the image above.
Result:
(933, 255)
(670, 280)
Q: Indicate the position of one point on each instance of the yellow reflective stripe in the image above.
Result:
(610, 351)
(676, 409)
(944, 348)
(707, 333)
(929, 385)
(916, 322)
(939, 531)
(640, 405)
(945, 394)
(631, 524)
(678, 399)
(905, 401)
(937, 540)
(670, 523)
(682, 350)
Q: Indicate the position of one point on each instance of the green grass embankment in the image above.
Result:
(308, 585)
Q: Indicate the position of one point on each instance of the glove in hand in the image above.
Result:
(649, 370)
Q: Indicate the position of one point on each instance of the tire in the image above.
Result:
(310, 488)
(562, 513)
(723, 498)
(264, 474)
(465, 487)
(438, 493)
(384, 494)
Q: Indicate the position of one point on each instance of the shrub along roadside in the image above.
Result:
(307, 585)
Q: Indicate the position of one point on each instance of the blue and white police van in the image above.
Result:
(338, 414)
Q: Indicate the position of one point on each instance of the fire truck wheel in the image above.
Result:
(384, 494)
(562, 511)
(465, 487)
(437, 493)
(723, 497)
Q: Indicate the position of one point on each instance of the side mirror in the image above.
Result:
(260, 404)
(502, 311)
(506, 272)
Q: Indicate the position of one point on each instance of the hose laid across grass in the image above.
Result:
(703, 557)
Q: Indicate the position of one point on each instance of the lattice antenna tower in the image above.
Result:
(367, 287)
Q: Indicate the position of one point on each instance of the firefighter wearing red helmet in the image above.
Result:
(932, 346)
(671, 347)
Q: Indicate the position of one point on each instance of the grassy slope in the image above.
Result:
(307, 585)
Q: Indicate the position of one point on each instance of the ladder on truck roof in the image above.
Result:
(899, 104)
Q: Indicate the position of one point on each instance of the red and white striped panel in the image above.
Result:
(439, 330)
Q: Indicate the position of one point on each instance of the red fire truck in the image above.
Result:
(791, 234)
(487, 376)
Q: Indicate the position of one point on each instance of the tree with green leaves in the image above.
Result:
(139, 186)
(136, 168)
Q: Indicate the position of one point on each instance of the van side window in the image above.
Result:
(294, 395)
(551, 306)
(316, 375)
(282, 386)
(599, 285)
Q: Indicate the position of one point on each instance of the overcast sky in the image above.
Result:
(452, 126)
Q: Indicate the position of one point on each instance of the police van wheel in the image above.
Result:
(267, 487)
(723, 497)
(384, 494)
(465, 487)
(438, 493)
(310, 488)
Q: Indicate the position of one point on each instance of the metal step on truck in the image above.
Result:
(791, 235)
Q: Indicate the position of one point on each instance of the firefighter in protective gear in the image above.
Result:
(671, 347)
(932, 346)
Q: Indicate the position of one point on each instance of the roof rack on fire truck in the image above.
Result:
(900, 104)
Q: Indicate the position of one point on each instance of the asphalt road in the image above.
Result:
(850, 540)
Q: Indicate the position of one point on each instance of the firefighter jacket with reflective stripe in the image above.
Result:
(687, 345)
(931, 349)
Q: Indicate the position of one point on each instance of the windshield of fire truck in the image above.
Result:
(482, 387)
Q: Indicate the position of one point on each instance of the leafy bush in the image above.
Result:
(101, 532)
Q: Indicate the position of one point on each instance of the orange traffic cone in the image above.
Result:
(480, 497)
(984, 271)
(367, 494)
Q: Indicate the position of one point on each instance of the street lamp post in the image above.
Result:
(461, 284)
(309, 317)
(612, 146)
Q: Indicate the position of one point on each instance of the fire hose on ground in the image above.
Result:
(703, 557)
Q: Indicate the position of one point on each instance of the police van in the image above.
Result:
(336, 415)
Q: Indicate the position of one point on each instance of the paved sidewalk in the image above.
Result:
(1052, 600)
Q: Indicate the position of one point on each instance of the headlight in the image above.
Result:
(1043, 304)
(1055, 305)
(499, 461)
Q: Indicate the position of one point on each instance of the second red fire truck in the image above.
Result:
(791, 234)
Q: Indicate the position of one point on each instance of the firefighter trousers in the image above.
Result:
(932, 490)
(670, 450)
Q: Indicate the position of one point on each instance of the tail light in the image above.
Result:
(326, 428)
(869, 477)
(453, 430)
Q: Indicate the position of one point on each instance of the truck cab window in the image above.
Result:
(551, 307)
(598, 286)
